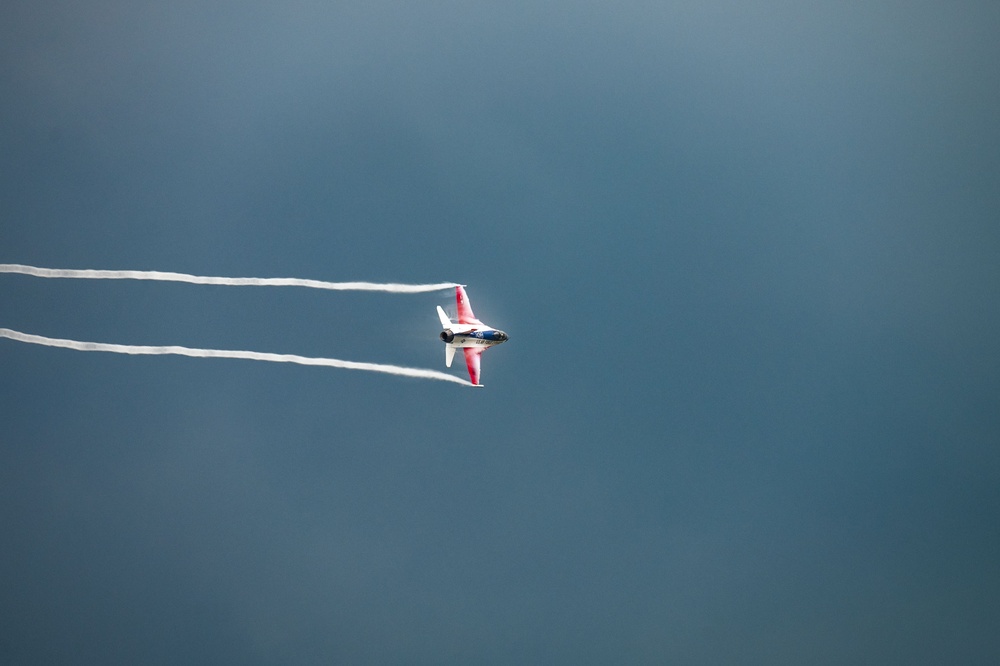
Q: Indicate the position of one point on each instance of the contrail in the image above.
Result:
(88, 274)
(419, 373)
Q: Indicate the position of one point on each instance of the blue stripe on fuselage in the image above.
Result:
(483, 335)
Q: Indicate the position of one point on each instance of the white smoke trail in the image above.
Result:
(89, 274)
(225, 353)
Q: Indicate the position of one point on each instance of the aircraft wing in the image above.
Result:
(472, 356)
(465, 315)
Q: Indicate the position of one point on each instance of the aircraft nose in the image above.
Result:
(503, 336)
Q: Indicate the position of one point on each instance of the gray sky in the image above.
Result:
(747, 254)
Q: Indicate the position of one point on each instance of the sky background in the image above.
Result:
(748, 255)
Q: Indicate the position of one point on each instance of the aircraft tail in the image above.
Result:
(449, 351)
(445, 322)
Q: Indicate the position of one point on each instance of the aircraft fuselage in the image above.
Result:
(485, 337)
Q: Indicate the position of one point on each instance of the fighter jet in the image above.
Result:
(469, 334)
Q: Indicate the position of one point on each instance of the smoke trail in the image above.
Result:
(225, 353)
(228, 281)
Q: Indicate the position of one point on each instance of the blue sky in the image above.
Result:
(748, 258)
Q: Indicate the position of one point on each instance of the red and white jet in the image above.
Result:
(469, 334)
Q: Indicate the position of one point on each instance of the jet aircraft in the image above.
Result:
(469, 334)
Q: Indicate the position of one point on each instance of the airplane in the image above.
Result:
(469, 334)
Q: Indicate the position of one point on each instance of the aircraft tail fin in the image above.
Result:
(445, 322)
(449, 355)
